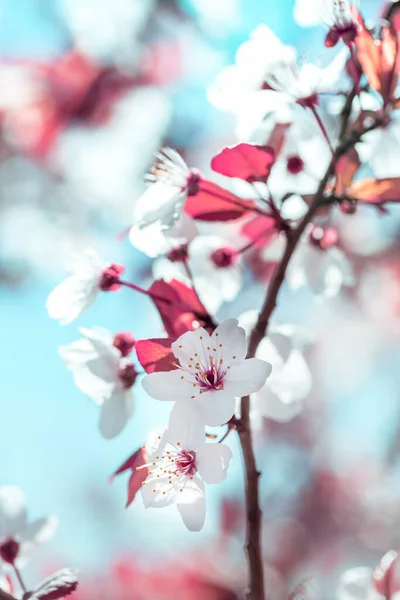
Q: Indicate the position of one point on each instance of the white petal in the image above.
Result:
(85, 264)
(41, 530)
(216, 406)
(233, 340)
(292, 380)
(190, 346)
(169, 385)
(12, 510)
(247, 377)
(271, 406)
(356, 584)
(213, 461)
(160, 203)
(115, 412)
(186, 425)
(71, 298)
(192, 504)
(156, 499)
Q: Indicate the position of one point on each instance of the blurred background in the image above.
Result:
(89, 89)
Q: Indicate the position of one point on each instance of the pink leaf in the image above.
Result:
(383, 575)
(59, 585)
(245, 161)
(260, 230)
(155, 354)
(137, 459)
(183, 311)
(376, 191)
(212, 203)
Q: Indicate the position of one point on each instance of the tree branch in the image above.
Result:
(5, 596)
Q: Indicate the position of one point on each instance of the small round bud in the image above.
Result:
(9, 551)
(323, 238)
(127, 375)
(124, 342)
(349, 206)
(179, 254)
(294, 164)
(109, 279)
(224, 257)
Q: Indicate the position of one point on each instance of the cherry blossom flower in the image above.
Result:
(214, 264)
(154, 240)
(178, 470)
(339, 15)
(316, 262)
(74, 295)
(212, 371)
(171, 181)
(281, 398)
(102, 371)
(17, 535)
(357, 584)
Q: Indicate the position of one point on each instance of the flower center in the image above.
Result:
(192, 182)
(179, 254)
(212, 379)
(294, 164)
(185, 462)
(9, 550)
(223, 257)
(109, 279)
(127, 376)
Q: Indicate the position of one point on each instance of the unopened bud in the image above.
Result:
(349, 206)
(124, 342)
(179, 254)
(323, 238)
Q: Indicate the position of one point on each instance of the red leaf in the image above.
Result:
(245, 161)
(137, 459)
(155, 354)
(383, 575)
(184, 311)
(213, 203)
(260, 230)
(59, 585)
(346, 168)
(376, 191)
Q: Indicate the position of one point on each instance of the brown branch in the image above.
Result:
(5, 596)
(253, 547)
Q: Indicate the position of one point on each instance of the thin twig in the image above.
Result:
(322, 127)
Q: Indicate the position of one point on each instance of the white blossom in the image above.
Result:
(357, 584)
(101, 372)
(76, 294)
(281, 398)
(215, 266)
(154, 240)
(212, 371)
(179, 467)
(17, 534)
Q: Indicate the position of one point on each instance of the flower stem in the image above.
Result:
(322, 127)
(20, 580)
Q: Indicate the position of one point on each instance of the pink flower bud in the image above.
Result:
(324, 238)
(124, 342)
(9, 551)
(224, 257)
(127, 376)
(109, 279)
(179, 254)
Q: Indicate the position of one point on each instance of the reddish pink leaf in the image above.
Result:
(59, 585)
(260, 230)
(183, 311)
(155, 354)
(245, 161)
(346, 168)
(137, 459)
(376, 191)
(383, 575)
(213, 203)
